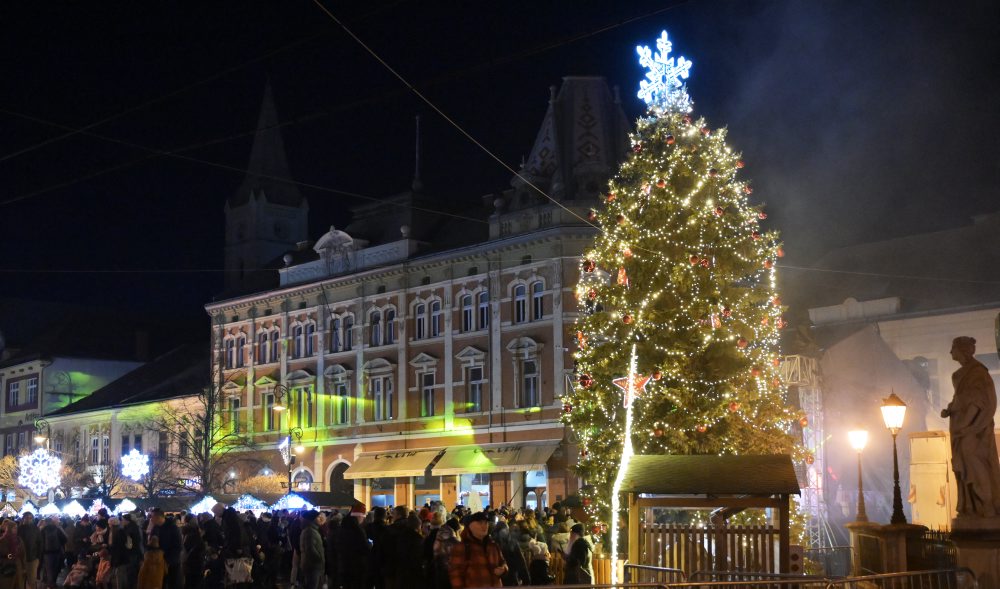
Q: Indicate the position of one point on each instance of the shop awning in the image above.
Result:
(399, 463)
(487, 458)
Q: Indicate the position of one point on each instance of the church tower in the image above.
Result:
(268, 215)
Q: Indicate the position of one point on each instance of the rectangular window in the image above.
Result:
(162, 445)
(234, 415)
(530, 394)
(297, 341)
(275, 345)
(484, 310)
(137, 443)
(58, 444)
(474, 393)
(230, 351)
(343, 402)
(304, 414)
(467, 317)
(382, 396)
(125, 444)
(106, 450)
(420, 321)
(199, 440)
(269, 412)
(520, 303)
(375, 329)
(537, 302)
(185, 445)
(262, 348)
(22, 440)
(310, 338)
(390, 327)
(33, 391)
(437, 322)
(427, 394)
(241, 345)
(9, 447)
(13, 394)
(334, 335)
(348, 333)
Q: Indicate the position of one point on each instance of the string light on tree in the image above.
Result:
(693, 301)
(40, 471)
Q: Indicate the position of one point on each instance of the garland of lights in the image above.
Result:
(682, 270)
(135, 465)
(40, 471)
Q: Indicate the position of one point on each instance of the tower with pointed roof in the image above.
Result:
(268, 215)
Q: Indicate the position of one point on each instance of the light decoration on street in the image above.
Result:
(204, 506)
(74, 509)
(135, 465)
(285, 447)
(49, 509)
(292, 501)
(40, 471)
(7, 510)
(126, 506)
(97, 506)
(663, 87)
(27, 507)
(631, 384)
(250, 503)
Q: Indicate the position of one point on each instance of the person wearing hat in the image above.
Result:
(477, 561)
(579, 563)
(312, 557)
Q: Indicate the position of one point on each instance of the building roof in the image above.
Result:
(268, 162)
(181, 372)
(711, 475)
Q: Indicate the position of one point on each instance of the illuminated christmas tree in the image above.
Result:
(679, 312)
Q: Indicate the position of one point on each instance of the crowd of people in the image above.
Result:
(395, 548)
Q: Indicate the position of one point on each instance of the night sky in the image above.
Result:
(859, 120)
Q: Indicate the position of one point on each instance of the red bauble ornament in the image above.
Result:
(747, 190)
(687, 119)
(627, 252)
(658, 432)
(592, 216)
(804, 421)
(776, 382)
(705, 262)
(694, 260)
(740, 163)
(779, 252)
(583, 453)
(611, 197)
(586, 381)
(705, 130)
(755, 235)
(713, 172)
(734, 407)
(657, 375)
(589, 265)
(670, 139)
(719, 210)
(742, 343)
(637, 148)
(727, 312)
(755, 371)
(762, 215)
(702, 428)
(587, 501)
(810, 459)
(776, 301)
(764, 321)
(627, 319)
(567, 408)
(768, 264)
(620, 219)
(781, 323)
(661, 183)
(596, 530)
(776, 362)
(592, 294)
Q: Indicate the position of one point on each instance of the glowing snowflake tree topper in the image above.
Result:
(663, 87)
(135, 465)
(40, 471)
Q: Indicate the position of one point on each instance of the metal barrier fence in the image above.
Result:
(833, 561)
(637, 573)
(960, 578)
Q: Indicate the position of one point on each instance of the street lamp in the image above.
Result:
(858, 439)
(893, 411)
(39, 437)
(287, 454)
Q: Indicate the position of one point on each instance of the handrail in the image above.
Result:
(749, 575)
(655, 569)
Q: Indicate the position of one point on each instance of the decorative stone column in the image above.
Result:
(978, 542)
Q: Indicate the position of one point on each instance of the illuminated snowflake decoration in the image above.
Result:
(135, 465)
(40, 471)
(662, 87)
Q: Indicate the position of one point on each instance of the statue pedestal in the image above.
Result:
(978, 542)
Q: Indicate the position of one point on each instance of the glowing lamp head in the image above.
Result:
(278, 406)
(40, 438)
(858, 439)
(299, 448)
(893, 411)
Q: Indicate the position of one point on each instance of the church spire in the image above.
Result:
(268, 165)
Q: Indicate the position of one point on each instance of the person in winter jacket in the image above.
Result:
(11, 557)
(312, 555)
(53, 541)
(31, 538)
(538, 568)
(353, 554)
(154, 567)
(559, 540)
(444, 540)
(476, 561)
(579, 563)
(517, 569)
(194, 556)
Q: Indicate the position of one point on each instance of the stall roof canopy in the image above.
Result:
(393, 463)
(711, 475)
(487, 458)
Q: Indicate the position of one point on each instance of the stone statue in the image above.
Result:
(973, 444)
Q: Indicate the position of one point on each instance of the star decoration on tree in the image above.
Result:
(663, 87)
(40, 471)
(639, 383)
(135, 465)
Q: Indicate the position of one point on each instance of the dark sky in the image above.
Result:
(858, 120)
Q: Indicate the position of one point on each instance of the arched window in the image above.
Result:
(230, 351)
(467, 316)
(297, 342)
(275, 345)
(262, 347)
(520, 303)
(348, 333)
(484, 309)
(437, 321)
(390, 326)
(310, 338)
(375, 329)
(334, 334)
(303, 480)
(537, 304)
(420, 321)
(241, 350)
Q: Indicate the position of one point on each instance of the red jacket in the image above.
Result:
(472, 562)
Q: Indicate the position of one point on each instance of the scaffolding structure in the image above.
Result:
(802, 372)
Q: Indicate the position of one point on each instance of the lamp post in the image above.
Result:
(39, 437)
(858, 439)
(281, 392)
(893, 411)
